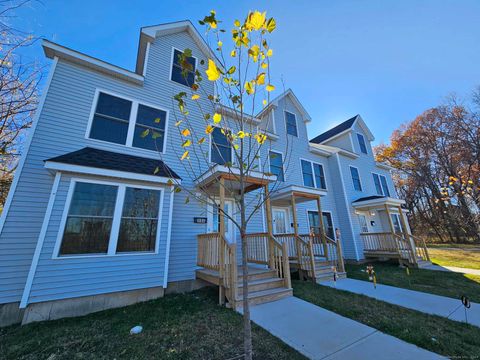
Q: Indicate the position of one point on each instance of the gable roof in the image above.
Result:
(109, 160)
(296, 102)
(343, 127)
(334, 131)
(150, 33)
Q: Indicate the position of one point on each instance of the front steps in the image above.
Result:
(324, 272)
(423, 263)
(263, 284)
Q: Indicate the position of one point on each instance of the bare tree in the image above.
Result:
(18, 91)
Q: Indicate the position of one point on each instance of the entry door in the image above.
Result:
(214, 220)
(280, 221)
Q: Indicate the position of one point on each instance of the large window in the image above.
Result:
(396, 223)
(327, 223)
(186, 77)
(357, 184)
(276, 165)
(149, 128)
(221, 149)
(114, 119)
(291, 122)
(89, 220)
(381, 185)
(111, 119)
(110, 218)
(361, 142)
(313, 175)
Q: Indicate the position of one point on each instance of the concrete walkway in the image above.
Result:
(416, 300)
(321, 334)
(452, 269)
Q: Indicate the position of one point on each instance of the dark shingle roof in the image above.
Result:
(115, 161)
(334, 131)
(373, 197)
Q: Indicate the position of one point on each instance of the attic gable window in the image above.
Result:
(361, 142)
(187, 79)
(357, 184)
(291, 122)
(276, 165)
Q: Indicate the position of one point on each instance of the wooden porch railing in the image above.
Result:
(387, 242)
(324, 246)
(421, 248)
(265, 249)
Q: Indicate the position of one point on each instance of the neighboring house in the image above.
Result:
(92, 221)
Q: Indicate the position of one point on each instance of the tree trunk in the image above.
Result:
(247, 327)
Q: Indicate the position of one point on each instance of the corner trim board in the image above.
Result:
(41, 239)
(169, 233)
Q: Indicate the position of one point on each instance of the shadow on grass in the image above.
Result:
(183, 326)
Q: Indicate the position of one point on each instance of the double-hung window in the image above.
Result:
(107, 218)
(313, 175)
(291, 122)
(361, 143)
(314, 222)
(221, 149)
(184, 76)
(128, 122)
(276, 165)
(357, 184)
(381, 185)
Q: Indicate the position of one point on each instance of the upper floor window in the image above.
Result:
(111, 119)
(96, 224)
(276, 165)
(313, 175)
(220, 148)
(291, 121)
(186, 77)
(361, 142)
(381, 185)
(357, 184)
(129, 123)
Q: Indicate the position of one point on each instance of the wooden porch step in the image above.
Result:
(329, 276)
(423, 263)
(261, 284)
(256, 274)
(264, 296)
(380, 254)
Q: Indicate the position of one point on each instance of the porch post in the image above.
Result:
(268, 210)
(294, 214)
(221, 250)
(390, 221)
(295, 230)
(406, 234)
(322, 228)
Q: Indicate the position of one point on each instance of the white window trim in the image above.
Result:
(283, 164)
(285, 121)
(171, 67)
(117, 215)
(288, 219)
(364, 141)
(132, 121)
(386, 184)
(210, 143)
(381, 187)
(313, 173)
(359, 178)
(323, 211)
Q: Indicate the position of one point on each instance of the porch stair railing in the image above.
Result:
(389, 244)
(326, 247)
(421, 248)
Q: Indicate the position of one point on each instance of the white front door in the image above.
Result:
(280, 221)
(213, 220)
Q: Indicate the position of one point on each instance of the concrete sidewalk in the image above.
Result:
(321, 334)
(416, 300)
(452, 269)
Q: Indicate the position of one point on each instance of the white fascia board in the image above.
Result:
(228, 111)
(319, 151)
(384, 166)
(220, 169)
(79, 169)
(53, 50)
(381, 201)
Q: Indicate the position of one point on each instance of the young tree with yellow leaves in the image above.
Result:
(221, 100)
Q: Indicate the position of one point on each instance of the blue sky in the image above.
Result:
(386, 60)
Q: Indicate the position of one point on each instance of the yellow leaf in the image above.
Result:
(178, 122)
(233, 53)
(236, 147)
(255, 20)
(201, 141)
(217, 118)
(269, 52)
(209, 129)
(271, 25)
(241, 134)
(264, 65)
(260, 138)
(195, 97)
(264, 102)
(187, 143)
(236, 23)
(249, 87)
(185, 132)
(219, 44)
(270, 87)
(185, 154)
(213, 73)
(261, 79)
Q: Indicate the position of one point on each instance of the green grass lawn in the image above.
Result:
(449, 284)
(434, 333)
(465, 256)
(189, 326)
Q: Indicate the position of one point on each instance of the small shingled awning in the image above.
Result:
(108, 163)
